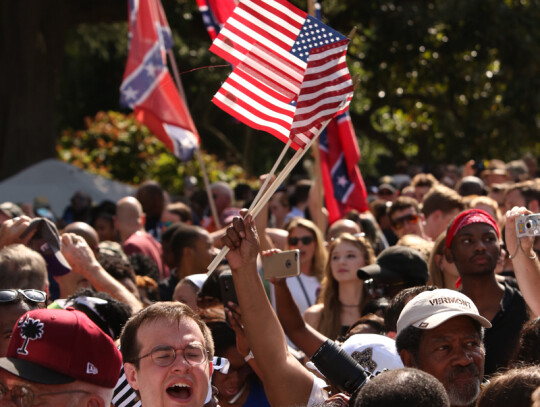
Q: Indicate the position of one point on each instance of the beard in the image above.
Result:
(463, 394)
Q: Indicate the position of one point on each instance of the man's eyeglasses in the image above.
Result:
(293, 241)
(23, 396)
(164, 355)
(10, 295)
(410, 219)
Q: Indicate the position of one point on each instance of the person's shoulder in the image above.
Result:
(315, 309)
(313, 315)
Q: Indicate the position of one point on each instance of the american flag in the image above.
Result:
(344, 187)
(289, 68)
(147, 86)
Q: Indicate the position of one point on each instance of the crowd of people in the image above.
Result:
(429, 299)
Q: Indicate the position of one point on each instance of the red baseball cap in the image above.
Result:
(58, 346)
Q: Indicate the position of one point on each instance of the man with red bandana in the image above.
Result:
(473, 243)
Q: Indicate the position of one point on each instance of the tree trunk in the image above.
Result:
(32, 38)
(31, 49)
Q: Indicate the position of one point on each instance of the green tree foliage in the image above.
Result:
(117, 146)
(444, 81)
(93, 68)
(439, 81)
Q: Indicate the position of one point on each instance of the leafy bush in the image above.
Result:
(117, 146)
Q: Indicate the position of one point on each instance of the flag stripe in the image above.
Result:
(290, 71)
(265, 66)
(244, 114)
(262, 93)
(147, 85)
(255, 103)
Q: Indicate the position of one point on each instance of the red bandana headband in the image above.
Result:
(466, 218)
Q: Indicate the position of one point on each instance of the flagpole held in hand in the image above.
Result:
(272, 171)
(254, 210)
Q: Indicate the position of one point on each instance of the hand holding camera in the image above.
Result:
(528, 225)
(520, 230)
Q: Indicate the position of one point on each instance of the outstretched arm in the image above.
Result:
(301, 334)
(280, 371)
(82, 261)
(524, 259)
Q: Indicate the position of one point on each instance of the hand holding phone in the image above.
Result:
(226, 288)
(282, 264)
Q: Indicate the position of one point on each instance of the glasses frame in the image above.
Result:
(174, 350)
(306, 240)
(25, 294)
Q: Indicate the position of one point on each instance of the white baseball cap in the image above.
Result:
(431, 308)
(373, 352)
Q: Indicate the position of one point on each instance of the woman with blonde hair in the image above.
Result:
(441, 273)
(342, 295)
(305, 236)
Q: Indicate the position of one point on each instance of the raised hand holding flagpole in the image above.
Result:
(257, 205)
(290, 77)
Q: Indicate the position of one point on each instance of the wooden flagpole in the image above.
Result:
(318, 217)
(272, 171)
(211, 201)
(268, 193)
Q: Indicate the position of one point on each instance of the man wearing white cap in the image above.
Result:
(440, 332)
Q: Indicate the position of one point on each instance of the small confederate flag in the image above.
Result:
(289, 68)
(147, 86)
(215, 13)
(344, 187)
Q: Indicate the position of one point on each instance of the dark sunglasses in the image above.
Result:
(293, 241)
(31, 295)
(378, 289)
(410, 219)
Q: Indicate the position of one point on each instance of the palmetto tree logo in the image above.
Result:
(365, 359)
(31, 329)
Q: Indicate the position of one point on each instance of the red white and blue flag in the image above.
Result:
(148, 87)
(290, 73)
(215, 13)
(344, 187)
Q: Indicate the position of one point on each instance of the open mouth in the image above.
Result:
(180, 391)
(230, 391)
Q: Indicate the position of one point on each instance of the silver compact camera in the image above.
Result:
(528, 225)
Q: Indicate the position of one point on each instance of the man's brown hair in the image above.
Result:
(424, 180)
(401, 203)
(443, 198)
(168, 311)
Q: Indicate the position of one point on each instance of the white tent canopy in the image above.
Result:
(58, 181)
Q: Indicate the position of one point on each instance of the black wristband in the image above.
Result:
(339, 367)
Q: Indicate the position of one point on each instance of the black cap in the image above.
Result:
(46, 241)
(397, 264)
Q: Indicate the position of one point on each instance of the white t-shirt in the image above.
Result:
(304, 290)
(318, 393)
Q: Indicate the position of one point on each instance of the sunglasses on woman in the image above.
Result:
(293, 241)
